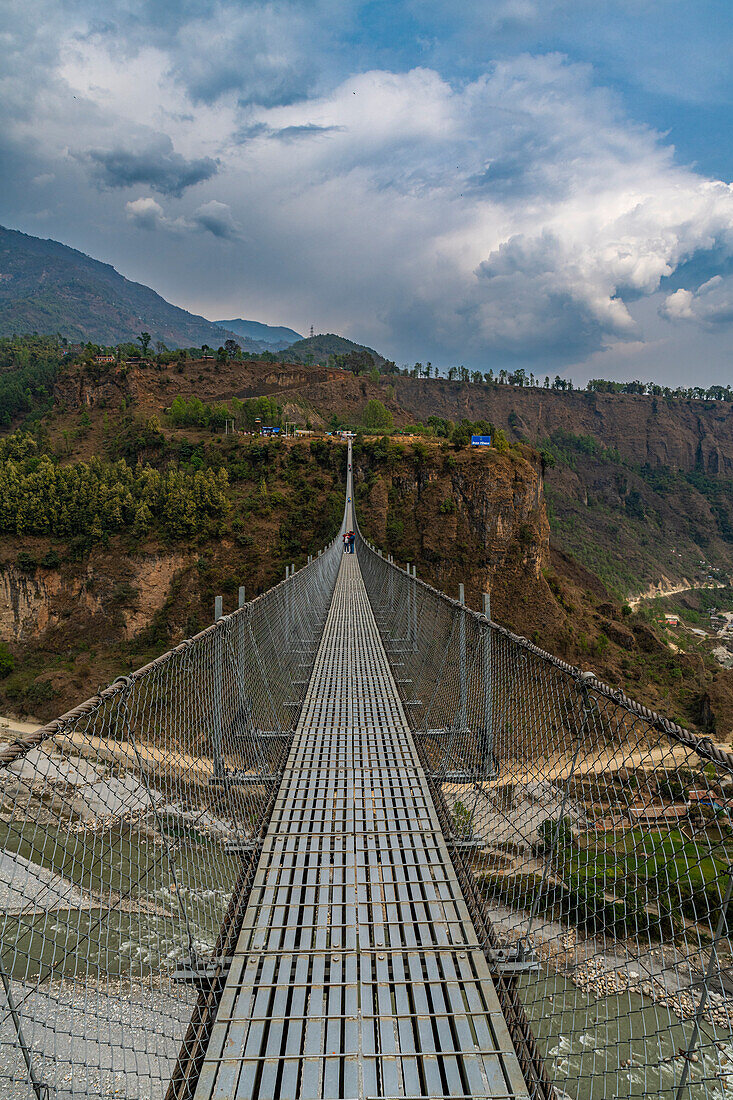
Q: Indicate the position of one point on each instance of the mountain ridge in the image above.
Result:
(277, 337)
(49, 287)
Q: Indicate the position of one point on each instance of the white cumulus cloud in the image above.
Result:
(145, 213)
(710, 304)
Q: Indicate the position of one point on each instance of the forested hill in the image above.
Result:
(328, 346)
(47, 287)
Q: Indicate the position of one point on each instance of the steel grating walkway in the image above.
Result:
(358, 972)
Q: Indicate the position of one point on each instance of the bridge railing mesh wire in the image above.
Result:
(129, 828)
(597, 836)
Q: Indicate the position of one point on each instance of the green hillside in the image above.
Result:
(320, 348)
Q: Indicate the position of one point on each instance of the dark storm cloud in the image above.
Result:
(216, 217)
(162, 169)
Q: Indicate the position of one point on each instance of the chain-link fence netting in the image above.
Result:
(594, 839)
(131, 828)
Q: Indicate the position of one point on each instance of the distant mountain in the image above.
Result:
(273, 336)
(321, 347)
(47, 287)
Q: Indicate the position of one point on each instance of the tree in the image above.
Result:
(143, 519)
(460, 436)
(144, 341)
(231, 347)
(547, 460)
(376, 416)
(500, 442)
(357, 362)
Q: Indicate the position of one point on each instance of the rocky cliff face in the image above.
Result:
(464, 517)
(480, 518)
(686, 435)
(681, 434)
(113, 597)
(151, 388)
(78, 624)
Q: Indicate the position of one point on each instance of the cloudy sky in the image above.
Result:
(542, 183)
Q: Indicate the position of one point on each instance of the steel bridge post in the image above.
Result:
(463, 707)
(242, 709)
(487, 734)
(216, 725)
(390, 598)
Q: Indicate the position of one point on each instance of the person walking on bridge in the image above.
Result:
(352, 540)
(345, 537)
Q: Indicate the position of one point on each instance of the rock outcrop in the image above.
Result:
(114, 596)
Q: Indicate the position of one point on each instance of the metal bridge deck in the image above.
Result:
(358, 972)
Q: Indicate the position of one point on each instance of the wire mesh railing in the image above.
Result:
(130, 831)
(594, 837)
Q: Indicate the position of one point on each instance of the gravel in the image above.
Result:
(122, 1042)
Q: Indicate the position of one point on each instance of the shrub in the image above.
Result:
(555, 834)
(460, 436)
(461, 819)
(7, 661)
(25, 562)
(500, 442)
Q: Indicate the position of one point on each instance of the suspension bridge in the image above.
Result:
(357, 841)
